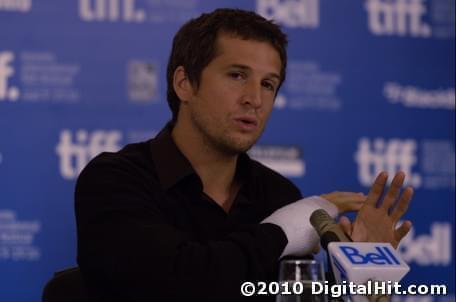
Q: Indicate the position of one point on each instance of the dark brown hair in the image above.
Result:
(194, 45)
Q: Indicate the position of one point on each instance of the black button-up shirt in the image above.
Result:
(148, 232)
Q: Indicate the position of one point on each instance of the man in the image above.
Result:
(188, 216)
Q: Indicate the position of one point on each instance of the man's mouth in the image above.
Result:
(247, 123)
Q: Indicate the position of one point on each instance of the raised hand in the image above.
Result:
(376, 220)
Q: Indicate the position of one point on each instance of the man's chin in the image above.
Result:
(239, 146)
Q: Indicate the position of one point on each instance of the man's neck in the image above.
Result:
(216, 169)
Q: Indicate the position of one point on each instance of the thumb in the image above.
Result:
(345, 225)
(402, 230)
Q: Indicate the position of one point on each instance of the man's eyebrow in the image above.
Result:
(245, 67)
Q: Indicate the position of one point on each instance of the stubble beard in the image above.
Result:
(219, 137)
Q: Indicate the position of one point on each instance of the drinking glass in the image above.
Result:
(302, 271)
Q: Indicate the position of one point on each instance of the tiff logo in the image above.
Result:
(379, 155)
(291, 13)
(110, 10)
(432, 249)
(397, 17)
(74, 155)
(6, 72)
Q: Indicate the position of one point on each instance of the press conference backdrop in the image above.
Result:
(370, 87)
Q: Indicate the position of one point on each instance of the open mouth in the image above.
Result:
(247, 123)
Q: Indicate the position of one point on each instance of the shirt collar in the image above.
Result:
(172, 166)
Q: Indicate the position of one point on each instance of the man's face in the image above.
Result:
(236, 93)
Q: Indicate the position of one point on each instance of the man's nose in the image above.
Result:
(252, 94)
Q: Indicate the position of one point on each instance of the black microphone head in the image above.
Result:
(327, 238)
(327, 228)
(320, 220)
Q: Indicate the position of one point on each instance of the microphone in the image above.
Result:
(327, 228)
(329, 231)
(358, 262)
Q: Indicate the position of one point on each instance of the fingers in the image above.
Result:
(345, 201)
(344, 196)
(345, 225)
(377, 189)
(402, 205)
(355, 197)
(352, 201)
(393, 191)
(402, 231)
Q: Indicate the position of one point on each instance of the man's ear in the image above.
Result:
(182, 85)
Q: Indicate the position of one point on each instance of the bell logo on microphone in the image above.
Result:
(362, 261)
(381, 256)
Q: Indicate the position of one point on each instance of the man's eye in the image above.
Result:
(268, 86)
(236, 75)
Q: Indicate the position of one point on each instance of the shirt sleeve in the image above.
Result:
(128, 249)
(294, 219)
